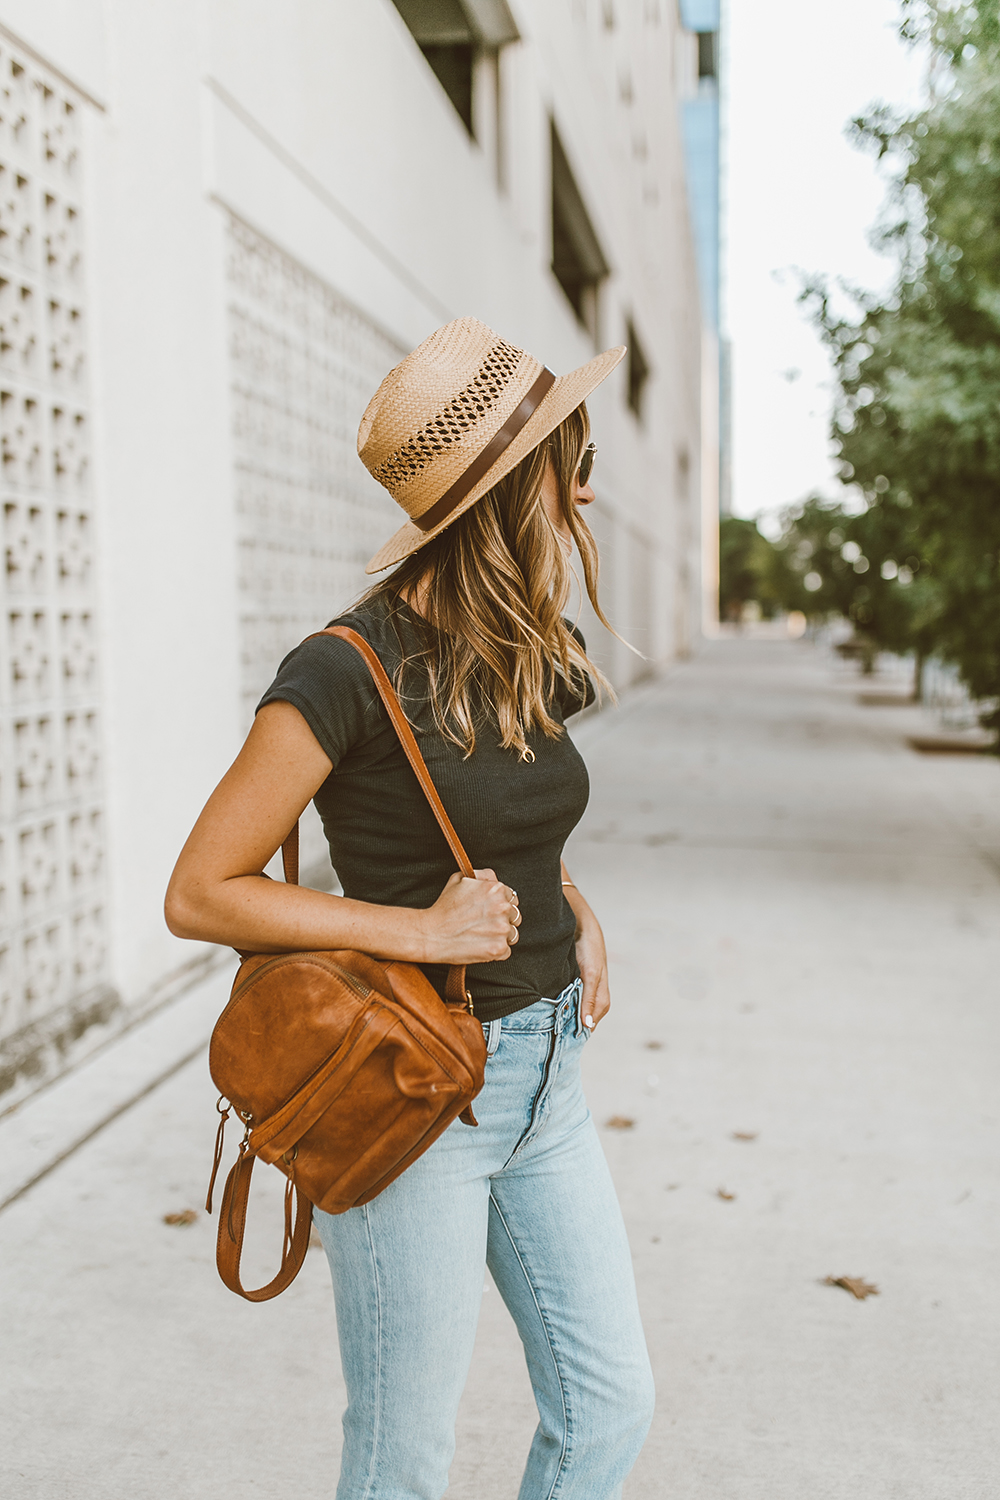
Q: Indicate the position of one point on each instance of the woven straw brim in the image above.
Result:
(564, 397)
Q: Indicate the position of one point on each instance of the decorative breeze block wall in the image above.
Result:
(52, 893)
(304, 364)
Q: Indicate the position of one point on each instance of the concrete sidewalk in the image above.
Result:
(804, 919)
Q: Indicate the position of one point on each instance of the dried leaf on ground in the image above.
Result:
(620, 1122)
(744, 1135)
(950, 744)
(725, 1195)
(186, 1216)
(856, 1285)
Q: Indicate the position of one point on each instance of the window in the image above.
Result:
(454, 65)
(708, 54)
(637, 369)
(577, 259)
(455, 36)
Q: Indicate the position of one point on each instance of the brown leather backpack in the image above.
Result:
(342, 1068)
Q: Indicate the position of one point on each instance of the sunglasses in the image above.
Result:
(587, 463)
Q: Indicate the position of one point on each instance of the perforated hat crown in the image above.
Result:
(456, 415)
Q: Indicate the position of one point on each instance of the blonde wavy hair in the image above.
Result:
(493, 588)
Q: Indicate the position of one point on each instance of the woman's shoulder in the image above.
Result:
(328, 680)
(331, 657)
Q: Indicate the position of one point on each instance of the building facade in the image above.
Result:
(701, 115)
(221, 222)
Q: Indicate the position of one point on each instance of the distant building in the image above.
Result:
(701, 111)
(220, 225)
(701, 148)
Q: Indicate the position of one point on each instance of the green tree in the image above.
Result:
(917, 425)
(858, 566)
(750, 569)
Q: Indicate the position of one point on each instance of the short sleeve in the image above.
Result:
(330, 685)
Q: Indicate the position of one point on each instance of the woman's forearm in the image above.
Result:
(215, 895)
(591, 956)
(254, 914)
(581, 908)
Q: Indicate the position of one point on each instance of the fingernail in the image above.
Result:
(588, 1021)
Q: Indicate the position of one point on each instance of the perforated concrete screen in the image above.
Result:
(303, 366)
(52, 938)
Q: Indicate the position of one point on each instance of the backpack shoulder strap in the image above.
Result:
(455, 992)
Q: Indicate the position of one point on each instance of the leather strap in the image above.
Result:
(455, 991)
(232, 1223)
(485, 460)
(407, 739)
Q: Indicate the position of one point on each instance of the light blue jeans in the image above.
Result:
(527, 1193)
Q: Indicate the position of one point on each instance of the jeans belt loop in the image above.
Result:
(492, 1030)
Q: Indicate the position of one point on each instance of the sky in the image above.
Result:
(797, 197)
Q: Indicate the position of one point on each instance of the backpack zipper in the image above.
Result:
(357, 985)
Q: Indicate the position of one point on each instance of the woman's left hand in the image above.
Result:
(592, 958)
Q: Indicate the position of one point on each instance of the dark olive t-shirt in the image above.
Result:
(513, 816)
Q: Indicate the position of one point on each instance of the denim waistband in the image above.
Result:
(544, 1015)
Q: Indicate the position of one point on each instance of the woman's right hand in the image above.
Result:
(472, 921)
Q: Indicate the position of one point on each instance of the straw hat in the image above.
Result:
(455, 416)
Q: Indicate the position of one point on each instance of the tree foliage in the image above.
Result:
(862, 567)
(917, 424)
(749, 570)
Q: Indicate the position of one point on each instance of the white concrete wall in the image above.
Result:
(321, 128)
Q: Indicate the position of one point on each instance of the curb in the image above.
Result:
(39, 1134)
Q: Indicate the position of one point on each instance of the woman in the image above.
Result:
(488, 453)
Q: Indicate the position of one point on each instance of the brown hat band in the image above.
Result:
(485, 460)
